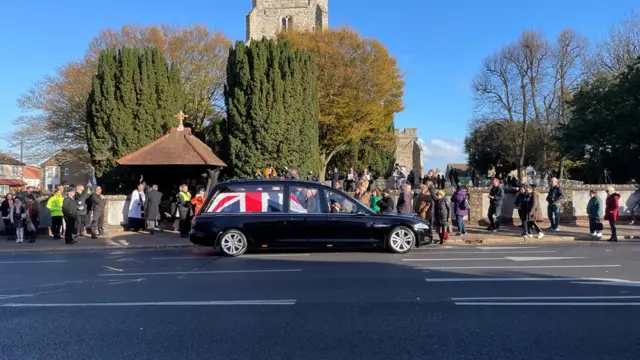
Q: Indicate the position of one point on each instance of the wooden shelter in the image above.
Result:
(175, 158)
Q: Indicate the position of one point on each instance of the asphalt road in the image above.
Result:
(575, 301)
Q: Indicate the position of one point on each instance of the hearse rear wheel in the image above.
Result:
(401, 240)
(233, 243)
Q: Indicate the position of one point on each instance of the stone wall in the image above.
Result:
(266, 17)
(408, 150)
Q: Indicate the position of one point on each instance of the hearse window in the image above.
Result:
(305, 200)
(248, 199)
(338, 203)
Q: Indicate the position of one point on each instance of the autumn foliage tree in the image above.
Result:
(360, 87)
(56, 105)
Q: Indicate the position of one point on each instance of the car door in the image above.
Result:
(306, 218)
(348, 222)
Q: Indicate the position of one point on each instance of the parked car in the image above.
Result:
(241, 215)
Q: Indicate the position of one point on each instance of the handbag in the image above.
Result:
(599, 227)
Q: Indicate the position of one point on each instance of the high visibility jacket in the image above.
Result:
(185, 196)
(54, 204)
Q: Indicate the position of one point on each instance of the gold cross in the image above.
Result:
(181, 116)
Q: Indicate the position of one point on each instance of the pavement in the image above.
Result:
(532, 301)
(118, 239)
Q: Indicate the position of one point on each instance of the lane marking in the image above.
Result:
(33, 262)
(3, 297)
(481, 252)
(546, 298)
(454, 259)
(505, 247)
(533, 258)
(546, 304)
(183, 257)
(45, 285)
(511, 258)
(173, 303)
(610, 283)
(111, 268)
(202, 272)
(125, 281)
(497, 279)
(516, 267)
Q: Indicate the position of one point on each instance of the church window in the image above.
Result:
(284, 24)
(287, 23)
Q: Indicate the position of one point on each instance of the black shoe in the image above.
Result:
(70, 242)
(613, 239)
(94, 237)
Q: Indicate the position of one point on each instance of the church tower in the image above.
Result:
(268, 17)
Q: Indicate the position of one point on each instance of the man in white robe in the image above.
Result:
(136, 209)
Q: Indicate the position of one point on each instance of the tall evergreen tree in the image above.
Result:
(272, 108)
(133, 100)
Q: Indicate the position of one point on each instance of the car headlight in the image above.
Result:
(421, 226)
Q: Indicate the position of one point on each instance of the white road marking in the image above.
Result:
(111, 268)
(183, 257)
(546, 298)
(511, 258)
(546, 304)
(45, 285)
(454, 259)
(517, 267)
(116, 253)
(203, 272)
(173, 303)
(33, 262)
(480, 252)
(502, 279)
(123, 242)
(125, 281)
(505, 247)
(533, 258)
(3, 297)
(113, 243)
(611, 283)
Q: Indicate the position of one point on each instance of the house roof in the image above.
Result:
(66, 155)
(31, 172)
(175, 148)
(12, 182)
(8, 160)
(458, 166)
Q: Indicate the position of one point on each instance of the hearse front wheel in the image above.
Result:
(233, 243)
(401, 240)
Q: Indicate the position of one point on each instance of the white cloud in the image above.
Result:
(439, 152)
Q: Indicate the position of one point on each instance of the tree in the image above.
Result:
(360, 87)
(376, 153)
(57, 104)
(603, 130)
(620, 49)
(134, 97)
(272, 108)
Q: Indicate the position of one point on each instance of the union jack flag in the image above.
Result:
(249, 202)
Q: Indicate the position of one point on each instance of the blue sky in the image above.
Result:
(439, 44)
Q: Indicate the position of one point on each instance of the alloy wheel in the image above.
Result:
(401, 240)
(233, 243)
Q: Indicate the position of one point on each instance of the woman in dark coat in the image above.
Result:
(529, 208)
(459, 201)
(442, 216)
(5, 209)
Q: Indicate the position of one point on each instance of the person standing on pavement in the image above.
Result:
(198, 200)
(442, 216)
(496, 197)
(460, 208)
(376, 195)
(54, 204)
(81, 197)
(529, 209)
(611, 211)
(423, 204)
(18, 219)
(152, 208)
(97, 202)
(5, 208)
(594, 211)
(405, 199)
(33, 220)
(70, 213)
(183, 201)
(386, 202)
(136, 207)
(554, 200)
(518, 205)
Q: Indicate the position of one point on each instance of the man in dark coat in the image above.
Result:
(81, 197)
(97, 202)
(404, 200)
(386, 203)
(70, 214)
(496, 197)
(152, 208)
(183, 201)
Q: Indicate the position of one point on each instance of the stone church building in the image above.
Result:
(268, 17)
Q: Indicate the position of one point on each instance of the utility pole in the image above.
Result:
(22, 151)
